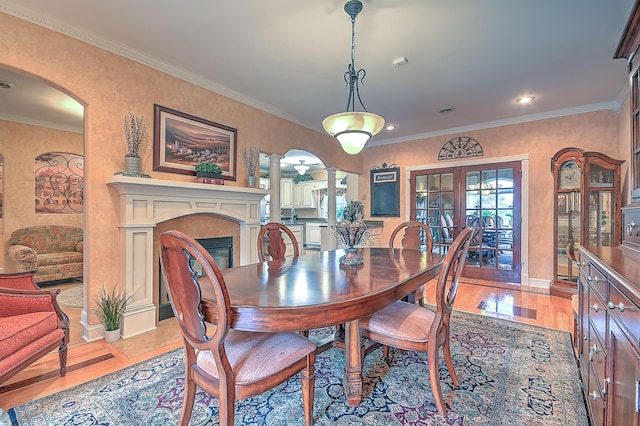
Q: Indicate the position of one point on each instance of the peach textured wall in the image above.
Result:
(20, 144)
(596, 131)
(110, 86)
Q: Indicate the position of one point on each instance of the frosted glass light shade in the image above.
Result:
(301, 168)
(353, 129)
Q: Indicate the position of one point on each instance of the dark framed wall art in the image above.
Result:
(180, 141)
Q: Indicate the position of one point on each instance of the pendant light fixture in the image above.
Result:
(301, 168)
(353, 129)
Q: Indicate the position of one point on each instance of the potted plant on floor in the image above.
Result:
(110, 306)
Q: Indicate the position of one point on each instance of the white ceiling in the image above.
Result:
(288, 57)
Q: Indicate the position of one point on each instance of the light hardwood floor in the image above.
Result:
(88, 361)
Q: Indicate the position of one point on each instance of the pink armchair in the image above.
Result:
(31, 325)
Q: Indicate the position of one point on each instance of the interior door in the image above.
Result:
(486, 197)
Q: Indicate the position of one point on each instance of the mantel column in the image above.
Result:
(136, 275)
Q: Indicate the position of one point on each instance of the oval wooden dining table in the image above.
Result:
(314, 290)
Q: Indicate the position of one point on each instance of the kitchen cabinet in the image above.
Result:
(609, 328)
(286, 195)
(313, 234)
(298, 232)
(303, 195)
(375, 240)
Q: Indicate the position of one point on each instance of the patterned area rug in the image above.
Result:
(510, 374)
(72, 298)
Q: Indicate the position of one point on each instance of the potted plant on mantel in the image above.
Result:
(207, 171)
(134, 131)
(111, 305)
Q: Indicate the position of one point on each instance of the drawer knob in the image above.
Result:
(620, 306)
(596, 279)
(630, 227)
(595, 307)
(578, 263)
(605, 382)
(592, 351)
(594, 395)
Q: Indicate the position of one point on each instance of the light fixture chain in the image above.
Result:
(353, 77)
(353, 128)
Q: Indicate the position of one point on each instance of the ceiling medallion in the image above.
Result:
(460, 147)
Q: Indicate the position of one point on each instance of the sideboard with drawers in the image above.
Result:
(609, 333)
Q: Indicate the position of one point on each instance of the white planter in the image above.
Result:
(111, 336)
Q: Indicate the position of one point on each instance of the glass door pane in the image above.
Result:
(491, 196)
(485, 197)
(433, 205)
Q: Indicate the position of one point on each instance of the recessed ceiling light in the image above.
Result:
(446, 110)
(390, 126)
(525, 99)
(400, 61)
(5, 85)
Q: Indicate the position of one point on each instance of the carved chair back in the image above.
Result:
(274, 245)
(413, 235)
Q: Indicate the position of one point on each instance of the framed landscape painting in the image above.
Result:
(180, 141)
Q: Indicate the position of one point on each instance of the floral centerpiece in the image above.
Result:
(352, 232)
(353, 210)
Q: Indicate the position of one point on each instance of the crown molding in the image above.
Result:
(613, 105)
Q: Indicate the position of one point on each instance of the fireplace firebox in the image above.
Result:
(220, 248)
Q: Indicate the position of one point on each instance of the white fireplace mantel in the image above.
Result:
(146, 202)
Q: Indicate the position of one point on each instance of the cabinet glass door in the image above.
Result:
(601, 219)
(568, 234)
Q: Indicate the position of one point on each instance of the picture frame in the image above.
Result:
(385, 192)
(182, 140)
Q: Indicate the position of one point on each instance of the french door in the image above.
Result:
(486, 197)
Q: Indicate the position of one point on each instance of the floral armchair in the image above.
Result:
(31, 325)
(53, 251)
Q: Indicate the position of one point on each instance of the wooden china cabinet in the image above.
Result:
(609, 285)
(588, 200)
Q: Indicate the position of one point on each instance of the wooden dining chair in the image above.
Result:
(412, 239)
(224, 362)
(274, 245)
(411, 327)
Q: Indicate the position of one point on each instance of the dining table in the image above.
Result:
(314, 291)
